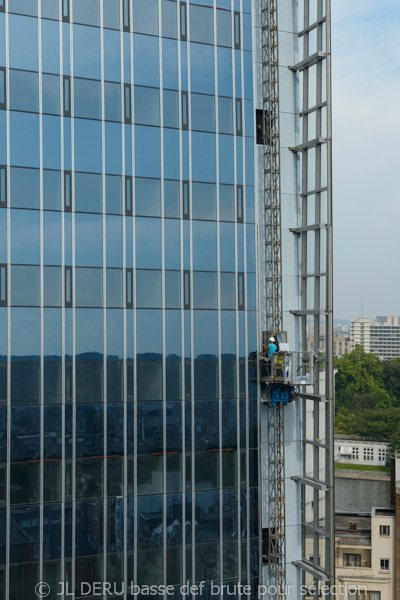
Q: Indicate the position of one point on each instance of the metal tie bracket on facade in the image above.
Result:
(308, 62)
(320, 575)
(308, 145)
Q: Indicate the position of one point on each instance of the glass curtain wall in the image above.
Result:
(128, 311)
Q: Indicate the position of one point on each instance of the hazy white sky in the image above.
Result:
(366, 156)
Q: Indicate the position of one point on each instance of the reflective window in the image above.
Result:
(149, 381)
(225, 115)
(87, 12)
(205, 379)
(207, 508)
(205, 294)
(207, 425)
(88, 192)
(201, 24)
(204, 201)
(202, 67)
(24, 523)
(89, 240)
(206, 470)
(24, 91)
(174, 427)
(202, 112)
(148, 340)
(25, 433)
(172, 289)
(89, 430)
(149, 427)
(89, 478)
(52, 286)
(23, 56)
(87, 94)
(114, 194)
(150, 567)
(51, 190)
(114, 288)
(148, 197)
(111, 14)
(24, 188)
(112, 101)
(171, 105)
(87, 51)
(88, 287)
(227, 246)
(24, 141)
(148, 289)
(174, 484)
(89, 532)
(25, 286)
(88, 146)
(169, 23)
(146, 59)
(145, 16)
(51, 94)
(203, 156)
(24, 7)
(204, 246)
(148, 243)
(171, 199)
(49, 9)
(147, 106)
(149, 474)
(24, 483)
(224, 28)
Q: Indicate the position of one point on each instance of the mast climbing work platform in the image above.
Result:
(273, 278)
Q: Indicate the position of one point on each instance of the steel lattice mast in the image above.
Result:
(273, 276)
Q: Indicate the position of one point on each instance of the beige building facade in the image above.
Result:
(365, 555)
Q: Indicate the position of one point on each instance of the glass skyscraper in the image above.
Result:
(128, 410)
(132, 293)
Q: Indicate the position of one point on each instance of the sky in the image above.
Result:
(366, 156)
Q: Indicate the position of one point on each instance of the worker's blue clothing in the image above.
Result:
(271, 349)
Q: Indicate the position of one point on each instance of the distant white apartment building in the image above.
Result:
(381, 337)
(365, 555)
(360, 451)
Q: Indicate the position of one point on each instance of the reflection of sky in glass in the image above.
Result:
(205, 333)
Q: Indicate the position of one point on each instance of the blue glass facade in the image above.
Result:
(128, 302)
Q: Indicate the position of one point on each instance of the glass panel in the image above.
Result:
(204, 201)
(147, 106)
(114, 288)
(149, 474)
(145, 16)
(89, 287)
(87, 96)
(225, 114)
(171, 105)
(24, 91)
(25, 288)
(114, 194)
(171, 199)
(148, 197)
(201, 24)
(148, 289)
(169, 21)
(224, 28)
(51, 190)
(172, 289)
(24, 188)
(149, 522)
(112, 101)
(52, 286)
(204, 290)
(203, 112)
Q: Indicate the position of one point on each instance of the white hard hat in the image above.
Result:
(271, 339)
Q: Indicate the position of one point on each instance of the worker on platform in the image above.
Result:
(271, 347)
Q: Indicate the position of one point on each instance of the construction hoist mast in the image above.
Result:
(276, 561)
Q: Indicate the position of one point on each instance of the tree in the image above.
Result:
(391, 379)
(360, 375)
